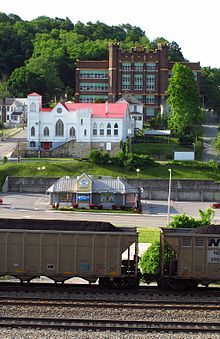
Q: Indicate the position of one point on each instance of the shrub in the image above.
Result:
(4, 159)
(185, 221)
(150, 260)
(95, 156)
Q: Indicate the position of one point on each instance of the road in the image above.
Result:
(7, 146)
(210, 131)
(154, 212)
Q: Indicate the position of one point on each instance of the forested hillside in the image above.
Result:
(39, 55)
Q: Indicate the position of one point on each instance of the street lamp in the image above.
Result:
(169, 195)
(138, 171)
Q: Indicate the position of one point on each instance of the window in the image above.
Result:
(138, 81)
(126, 81)
(94, 129)
(59, 128)
(93, 74)
(72, 132)
(92, 98)
(85, 132)
(126, 66)
(151, 67)
(150, 111)
(150, 82)
(32, 144)
(109, 129)
(32, 131)
(116, 129)
(46, 132)
(195, 75)
(33, 107)
(101, 129)
(150, 99)
(94, 87)
(139, 97)
(138, 67)
(81, 122)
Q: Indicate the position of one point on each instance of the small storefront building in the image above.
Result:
(87, 191)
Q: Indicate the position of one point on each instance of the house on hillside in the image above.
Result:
(136, 109)
(13, 111)
(87, 191)
(73, 129)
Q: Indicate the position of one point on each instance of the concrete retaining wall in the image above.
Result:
(152, 189)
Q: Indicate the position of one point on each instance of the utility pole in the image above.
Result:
(18, 151)
(3, 120)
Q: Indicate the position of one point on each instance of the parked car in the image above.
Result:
(215, 205)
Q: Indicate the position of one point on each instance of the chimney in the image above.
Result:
(3, 110)
(106, 107)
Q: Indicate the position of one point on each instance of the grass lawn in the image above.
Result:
(58, 168)
(149, 234)
(9, 132)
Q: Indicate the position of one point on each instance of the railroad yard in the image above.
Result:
(85, 311)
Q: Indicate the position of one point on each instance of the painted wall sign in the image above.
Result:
(83, 198)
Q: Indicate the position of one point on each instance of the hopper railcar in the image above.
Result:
(61, 249)
(193, 257)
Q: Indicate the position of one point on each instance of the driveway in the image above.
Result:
(7, 146)
(210, 131)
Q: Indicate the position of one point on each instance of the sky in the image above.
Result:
(192, 24)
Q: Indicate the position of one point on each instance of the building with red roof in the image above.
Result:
(73, 129)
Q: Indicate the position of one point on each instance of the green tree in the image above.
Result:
(183, 99)
(210, 88)
(185, 221)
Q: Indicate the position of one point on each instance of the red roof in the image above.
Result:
(43, 109)
(99, 110)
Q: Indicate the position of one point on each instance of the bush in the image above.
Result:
(150, 260)
(185, 221)
(4, 159)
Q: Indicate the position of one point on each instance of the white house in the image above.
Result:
(86, 125)
(136, 109)
(15, 110)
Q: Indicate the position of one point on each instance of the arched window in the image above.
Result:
(94, 129)
(101, 129)
(85, 132)
(59, 128)
(46, 132)
(116, 129)
(109, 129)
(33, 107)
(32, 131)
(72, 132)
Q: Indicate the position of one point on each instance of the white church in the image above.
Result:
(73, 129)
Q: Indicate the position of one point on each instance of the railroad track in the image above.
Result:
(125, 304)
(110, 325)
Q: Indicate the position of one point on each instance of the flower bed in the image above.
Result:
(96, 206)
